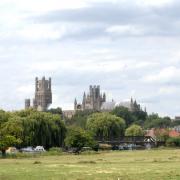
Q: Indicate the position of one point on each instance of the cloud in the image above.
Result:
(154, 3)
(131, 19)
(166, 75)
(130, 48)
(125, 30)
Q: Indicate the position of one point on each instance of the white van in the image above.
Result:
(39, 149)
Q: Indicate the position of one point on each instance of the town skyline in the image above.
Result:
(129, 48)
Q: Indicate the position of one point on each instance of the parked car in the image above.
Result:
(11, 150)
(128, 147)
(39, 149)
(27, 149)
(123, 147)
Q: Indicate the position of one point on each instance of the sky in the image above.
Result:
(131, 48)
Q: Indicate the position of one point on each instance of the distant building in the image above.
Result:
(95, 100)
(177, 128)
(171, 132)
(68, 113)
(27, 103)
(43, 95)
(132, 105)
(92, 101)
(177, 118)
(108, 106)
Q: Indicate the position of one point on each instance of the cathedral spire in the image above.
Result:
(131, 99)
(104, 97)
(145, 110)
(75, 104)
(75, 101)
(84, 97)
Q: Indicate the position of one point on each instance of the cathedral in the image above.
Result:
(43, 95)
(91, 101)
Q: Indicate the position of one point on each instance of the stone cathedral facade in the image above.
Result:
(43, 95)
(91, 101)
(94, 100)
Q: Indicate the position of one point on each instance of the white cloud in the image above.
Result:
(164, 75)
(154, 2)
(41, 32)
(43, 5)
(125, 30)
(25, 89)
(168, 90)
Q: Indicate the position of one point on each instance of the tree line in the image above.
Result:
(49, 129)
(31, 128)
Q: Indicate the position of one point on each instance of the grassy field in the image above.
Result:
(119, 165)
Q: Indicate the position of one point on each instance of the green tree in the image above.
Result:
(134, 130)
(80, 118)
(78, 138)
(57, 110)
(130, 117)
(11, 131)
(139, 117)
(13, 126)
(105, 125)
(124, 113)
(161, 134)
(41, 128)
(4, 116)
(7, 141)
(154, 121)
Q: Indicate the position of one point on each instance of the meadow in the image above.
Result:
(116, 165)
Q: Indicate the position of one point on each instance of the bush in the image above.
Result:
(56, 149)
(77, 138)
(173, 142)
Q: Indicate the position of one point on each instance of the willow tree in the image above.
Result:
(32, 127)
(105, 125)
(134, 130)
(44, 129)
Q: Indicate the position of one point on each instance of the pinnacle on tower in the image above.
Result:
(131, 99)
(75, 104)
(104, 97)
(75, 101)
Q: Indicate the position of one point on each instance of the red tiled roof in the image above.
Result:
(150, 133)
(174, 133)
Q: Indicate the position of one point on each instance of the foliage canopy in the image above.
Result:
(105, 125)
(134, 130)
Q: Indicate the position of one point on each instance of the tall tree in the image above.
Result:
(105, 125)
(80, 118)
(124, 113)
(78, 138)
(154, 121)
(134, 130)
(10, 132)
(44, 129)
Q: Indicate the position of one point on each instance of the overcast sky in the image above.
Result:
(128, 47)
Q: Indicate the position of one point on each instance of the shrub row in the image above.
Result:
(173, 142)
